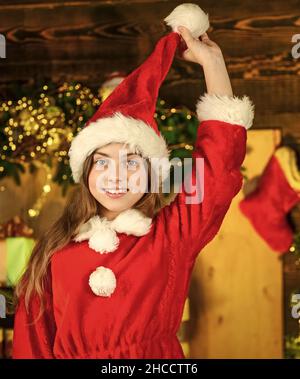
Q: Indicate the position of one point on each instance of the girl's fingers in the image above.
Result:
(186, 35)
(205, 39)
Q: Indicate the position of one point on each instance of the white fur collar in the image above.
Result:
(102, 233)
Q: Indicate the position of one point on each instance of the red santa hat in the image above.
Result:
(127, 114)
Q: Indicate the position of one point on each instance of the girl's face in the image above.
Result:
(118, 178)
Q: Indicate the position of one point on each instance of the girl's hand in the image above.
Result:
(200, 50)
(209, 55)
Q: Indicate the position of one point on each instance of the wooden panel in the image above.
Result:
(99, 35)
(236, 290)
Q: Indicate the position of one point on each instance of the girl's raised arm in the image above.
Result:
(220, 145)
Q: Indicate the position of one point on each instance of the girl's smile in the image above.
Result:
(115, 193)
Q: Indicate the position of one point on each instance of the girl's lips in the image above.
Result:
(114, 195)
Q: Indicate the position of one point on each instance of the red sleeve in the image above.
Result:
(222, 147)
(34, 339)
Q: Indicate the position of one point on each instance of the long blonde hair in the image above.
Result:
(65, 227)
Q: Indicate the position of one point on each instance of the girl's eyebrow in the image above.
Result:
(106, 155)
(98, 152)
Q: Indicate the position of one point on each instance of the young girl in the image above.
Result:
(110, 277)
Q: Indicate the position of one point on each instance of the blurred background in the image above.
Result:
(60, 60)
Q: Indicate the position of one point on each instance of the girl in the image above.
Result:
(110, 277)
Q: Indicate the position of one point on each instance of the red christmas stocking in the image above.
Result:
(278, 191)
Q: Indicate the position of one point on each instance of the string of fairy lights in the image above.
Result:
(36, 133)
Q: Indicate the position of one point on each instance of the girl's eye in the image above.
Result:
(132, 163)
(100, 162)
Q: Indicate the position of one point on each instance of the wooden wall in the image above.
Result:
(236, 292)
(85, 40)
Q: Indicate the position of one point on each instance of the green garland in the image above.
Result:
(292, 347)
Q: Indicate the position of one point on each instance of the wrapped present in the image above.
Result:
(16, 245)
(14, 256)
(15, 227)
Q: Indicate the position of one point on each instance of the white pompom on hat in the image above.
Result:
(191, 16)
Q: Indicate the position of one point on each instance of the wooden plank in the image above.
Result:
(269, 95)
(256, 43)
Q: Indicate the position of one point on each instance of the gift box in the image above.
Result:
(14, 256)
(16, 245)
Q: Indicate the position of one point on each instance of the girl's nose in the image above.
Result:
(117, 181)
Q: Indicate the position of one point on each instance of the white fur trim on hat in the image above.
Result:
(191, 16)
(231, 109)
(102, 281)
(101, 233)
(118, 128)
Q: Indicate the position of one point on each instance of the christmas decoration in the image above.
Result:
(40, 129)
(34, 211)
(15, 227)
(278, 191)
(16, 245)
